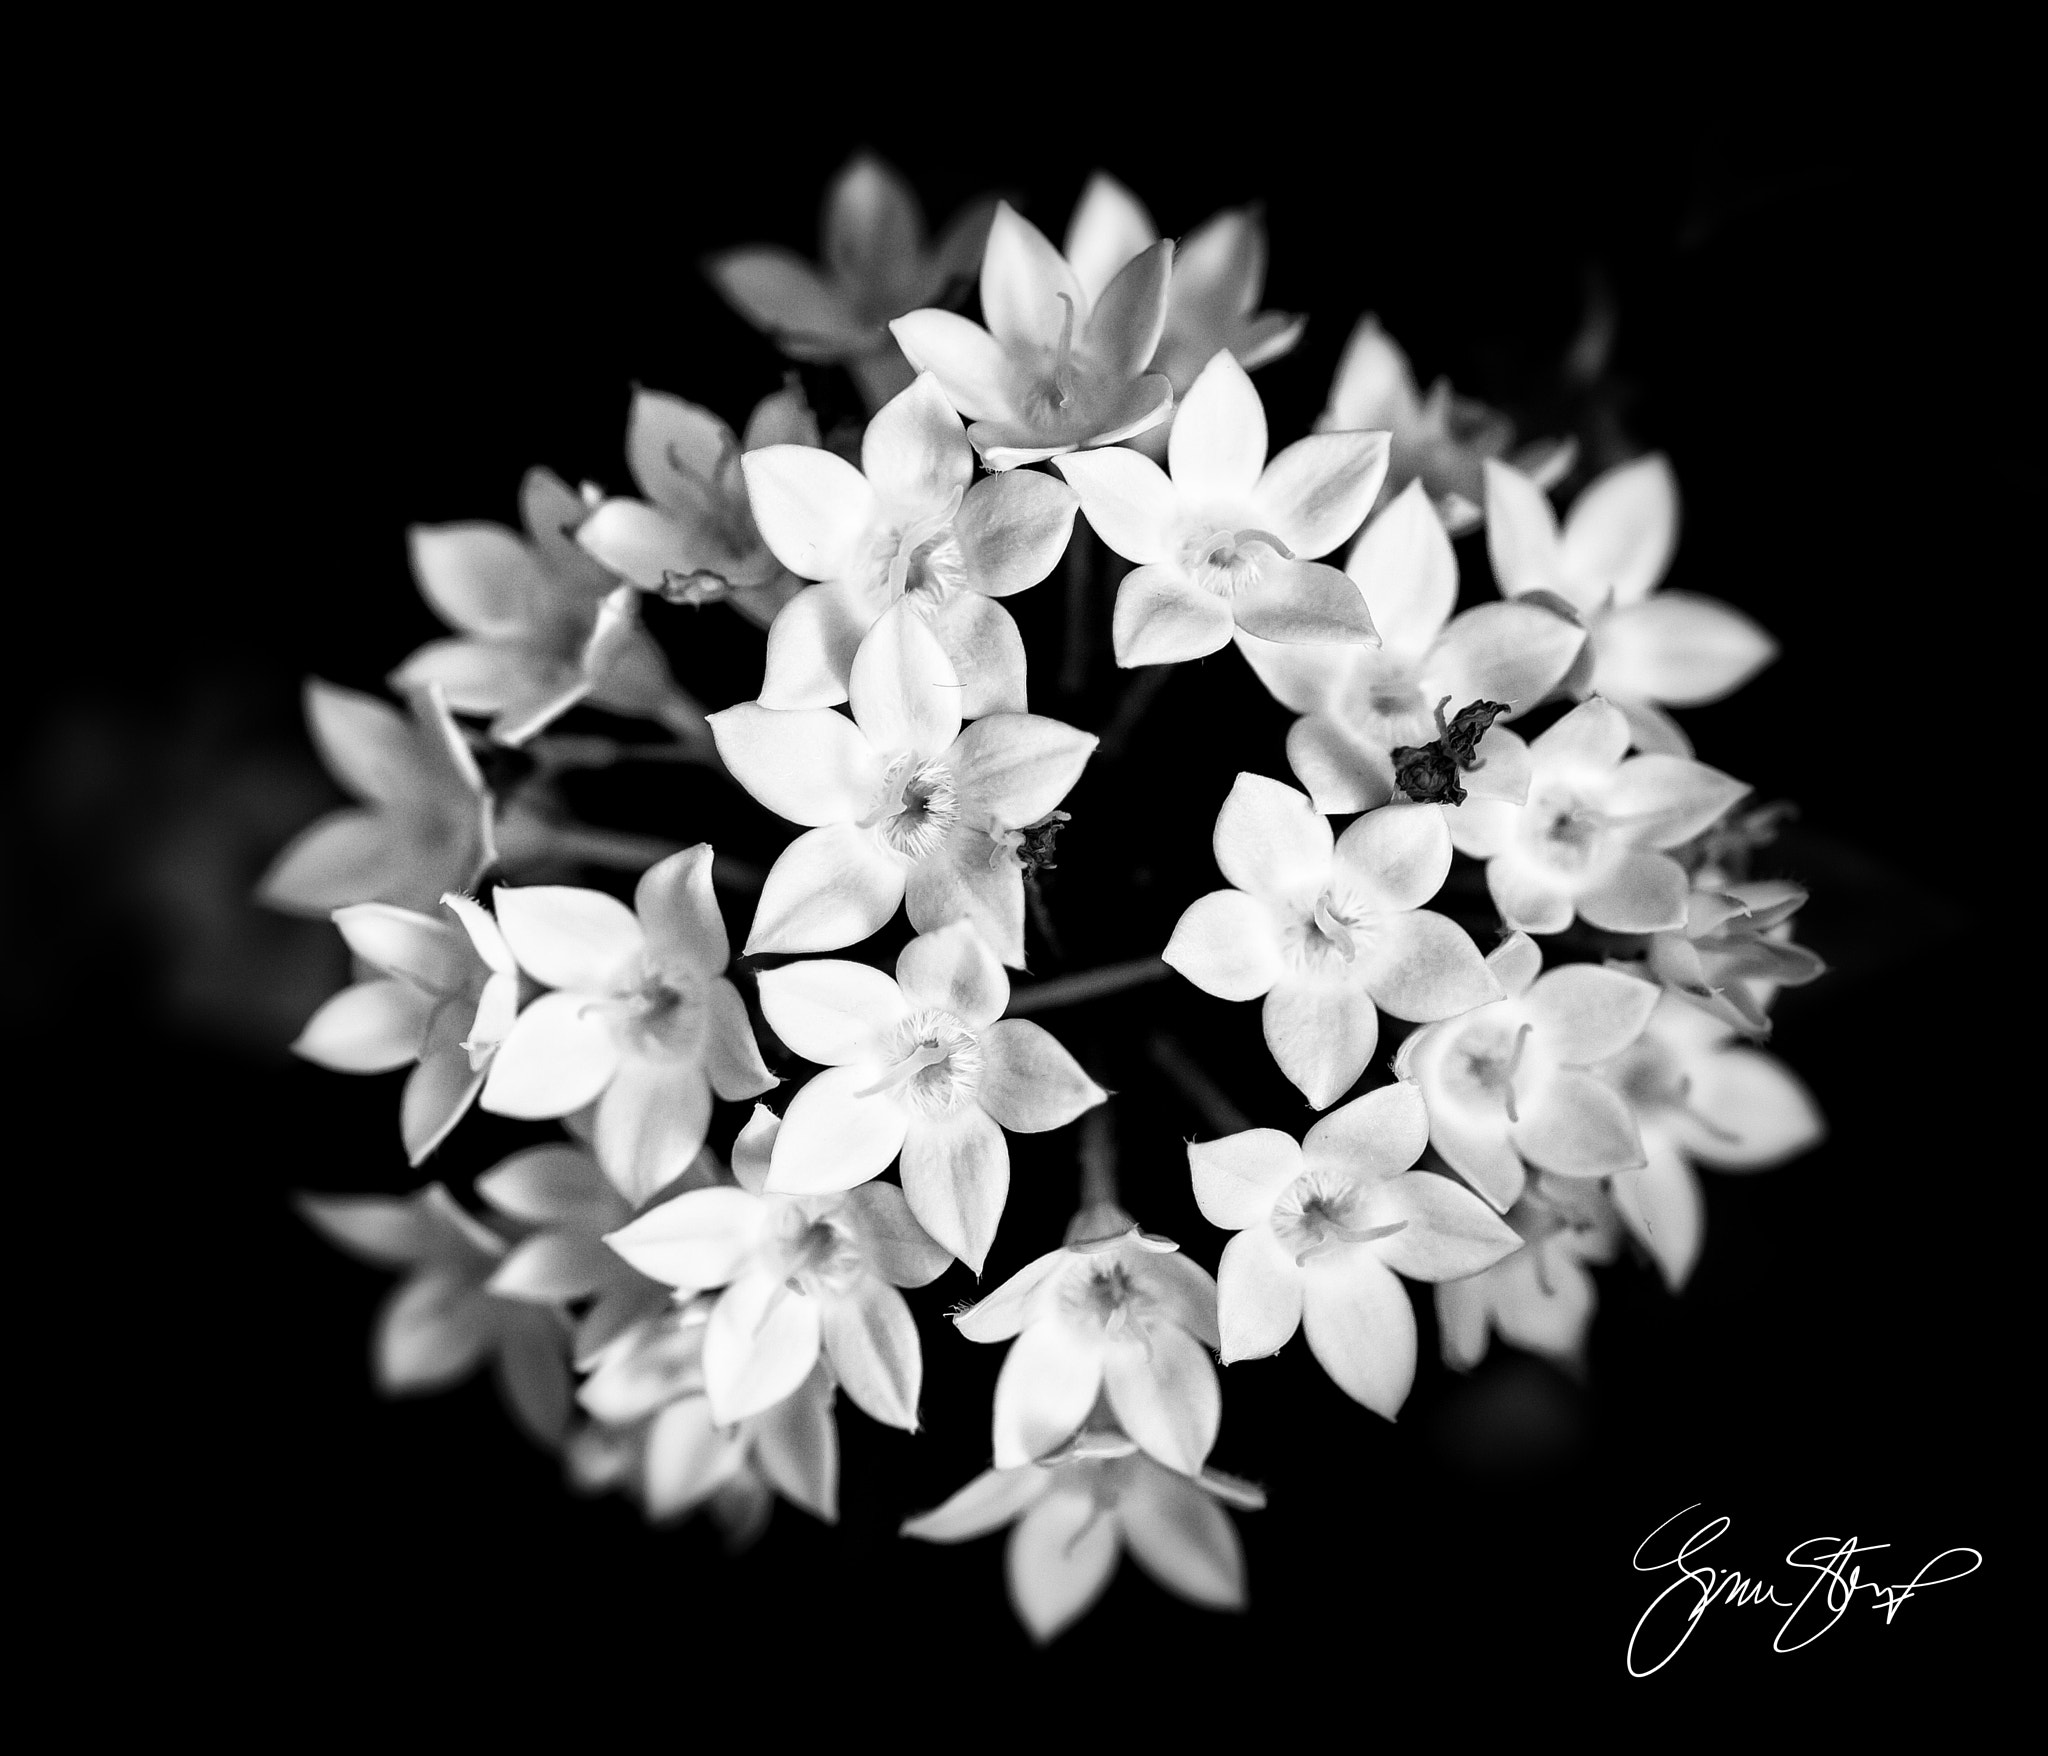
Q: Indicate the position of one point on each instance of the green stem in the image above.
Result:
(1089, 984)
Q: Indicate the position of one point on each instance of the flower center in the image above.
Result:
(1319, 1212)
(818, 1255)
(660, 1015)
(1482, 1065)
(1567, 832)
(923, 560)
(934, 1064)
(1109, 1299)
(1330, 938)
(1227, 562)
(917, 807)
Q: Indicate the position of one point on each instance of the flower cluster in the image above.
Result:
(673, 1288)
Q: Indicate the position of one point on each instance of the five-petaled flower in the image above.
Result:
(1329, 929)
(903, 805)
(801, 1273)
(1115, 1313)
(1223, 538)
(1326, 1228)
(1643, 653)
(1359, 703)
(1587, 840)
(443, 996)
(641, 1021)
(1511, 1081)
(1075, 1511)
(905, 525)
(1054, 370)
(924, 1065)
(541, 625)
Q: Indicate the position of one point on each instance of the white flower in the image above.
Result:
(800, 1273)
(1360, 703)
(902, 804)
(1212, 299)
(1541, 1298)
(1734, 952)
(1078, 1510)
(424, 826)
(444, 996)
(1512, 1081)
(1224, 539)
(1329, 930)
(878, 264)
(1699, 1096)
(1587, 839)
(1124, 1317)
(541, 625)
(642, 1020)
(906, 525)
(1440, 440)
(442, 1321)
(1645, 652)
(1324, 1231)
(1054, 370)
(924, 1065)
(693, 538)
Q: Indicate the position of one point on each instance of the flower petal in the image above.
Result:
(1227, 944)
(1621, 531)
(1029, 1083)
(967, 361)
(1593, 736)
(1642, 893)
(811, 765)
(1669, 798)
(971, 879)
(1322, 1034)
(1372, 1138)
(915, 452)
(1423, 966)
(1184, 1540)
(1023, 279)
(778, 292)
(1238, 1178)
(1162, 618)
(1011, 769)
(1305, 679)
(1060, 1558)
(953, 969)
(1527, 894)
(688, 1458)
(1218, 444)
(1513, 652)
(871, 1340)
(903, 690)
(551, 1267)
(895, 1246)
(813, 508)
(1342, 772)
(1361, 1328)
(1394, 859)
(564, 937)
(1122, 332)
(1748, 1112)
(1318, 491)
(832, 1137)
(1577, 1126)
(1304, 603)
(1258, 1295)
(432, 1331)
(556, 1058)
(760, 1344)
(1678, 648)
(1047, 1386)
(1004, 1312)
(956, 1177)
(796, 1446)
(1272, 843)
(557, 1185)
(732, 1058)
(832, 1011)
(985, 650)
(1108, 228)
(685, 932)
(1662, 1207)
(1165, 1395)
(1128, 499)
(830, 887)
(1522, 538)
(993, 1499)
(1012, 529)
(1587, 1013)
(369, 1028)
(479, 578)
(1449, 1232)
(1403, 564)
(812, 641)
(650, 1122)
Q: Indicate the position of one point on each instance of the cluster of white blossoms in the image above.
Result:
(678, 1321)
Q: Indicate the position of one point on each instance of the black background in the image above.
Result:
(369, 315)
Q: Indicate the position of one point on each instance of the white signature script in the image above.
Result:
(1675, 1611)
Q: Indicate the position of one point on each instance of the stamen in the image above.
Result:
(923, 1056)
(1334, 930)
(1062, 369)
(1333, 1235)
(1507, 1074)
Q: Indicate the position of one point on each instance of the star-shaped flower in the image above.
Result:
(1512, 1081)
(908, 526)
(1054, 370)
(1329, 930)
(1076, 1511)
(1212, 300)
(903, 805)
(877, 265)
(924, 1065)
(1541, 1298)
(1440, 440)
(693, 538)
(642, 1020)
(801, 1273)
(1587, 840)
(1698, 1096)
(443, 996)
(423, 827)
(1360, 703)
(1645, 652)
(1325, 1229)
(1116, 1313)
(442, 1321)
(1224, 539)
(540, 625)
(1735, 951)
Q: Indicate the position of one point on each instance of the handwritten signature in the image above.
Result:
(1675, 1611)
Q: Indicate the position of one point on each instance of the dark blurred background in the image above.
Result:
(367, 319)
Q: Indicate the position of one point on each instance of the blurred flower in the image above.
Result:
(1212, 299)
(424, 827)
(1328, 930)
(1540, 1298)
(1441, 440)
(442, 1321)
(541, 625)
(1074, 1512)
(1221, 536)
(693, 538)
(1697, 1096)
(905, 526)
(1588, 839)
(443, 996)
(878, 265)
(1118, 1313)
(925, 1065)
(1512, 1080)
(1735, 951)
(1055, 370)
(1360, 702)
(902, 804)
(1644, 652)
(1324, 1231)
(642, 1020)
